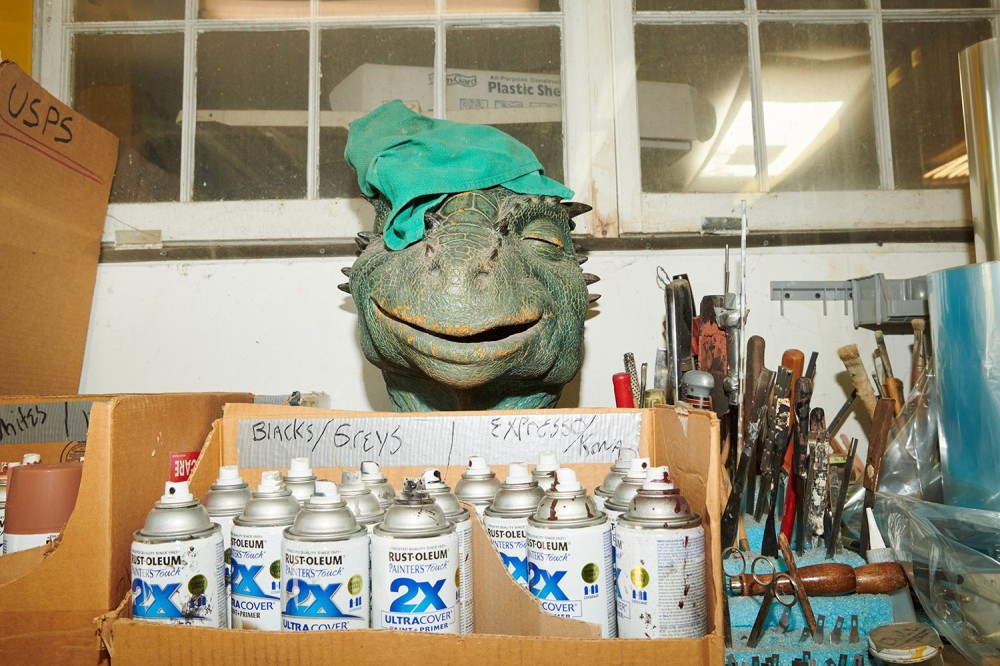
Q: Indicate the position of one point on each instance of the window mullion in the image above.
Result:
(628, 169)
(756, 96)
(189, 101)
(880, 100)
(313, 106)
(440, 61)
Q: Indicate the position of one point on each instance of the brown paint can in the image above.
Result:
(40, 499)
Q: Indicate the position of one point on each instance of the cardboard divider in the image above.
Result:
(510, 626)
(50, 595)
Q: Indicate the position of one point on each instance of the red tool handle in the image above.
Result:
(623, 390)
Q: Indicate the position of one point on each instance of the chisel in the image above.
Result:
(803, 396)
(877, 440)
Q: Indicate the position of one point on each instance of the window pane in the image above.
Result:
(361, 68)
(250, 142)
(933, 4)
(228, 9)
(686, 5)
(510, 78)
(132, 85)
(372, 7)
(818, 119)
(811, 4)
(507, 6)
(925, 100)
(694, 108)
(127, 10)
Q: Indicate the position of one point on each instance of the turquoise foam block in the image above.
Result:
(873, 610)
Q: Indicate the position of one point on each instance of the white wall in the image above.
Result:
(274, 326)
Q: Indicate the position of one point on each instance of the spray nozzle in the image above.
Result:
(637, 469)
(566, 481)
(658, 478)
(326, 493)
(176, 493)
(299, 468)
(370, 470)
(270, 482)
(413, 490)
(351, 481)
(31, 458)
(477, 465)
(431, 477)
(625, 457)
(547, 462)
(229, 475)
(518, 473)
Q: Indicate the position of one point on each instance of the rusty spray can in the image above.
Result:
(545, 471)
(372, 477)
(360, 500)
(224, 501)
(570, 557)
(615, 475)
(325, 566)
(626, 490)
(177, 566)
(462, 521)
(256, 555)
(415, 554)
(300, 480)
(478, 485)
(506, 520)
(660, 564)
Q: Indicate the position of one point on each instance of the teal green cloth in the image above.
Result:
(416, 161)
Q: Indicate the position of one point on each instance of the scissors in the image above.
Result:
(662, 278)
(788, 599)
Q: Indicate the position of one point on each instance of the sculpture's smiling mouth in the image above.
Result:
(463, 344)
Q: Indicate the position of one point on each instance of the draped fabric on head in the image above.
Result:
(415, 162)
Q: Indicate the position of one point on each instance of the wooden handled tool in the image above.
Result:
(859, 377)
(800, 588)
(754, 368)
(800, 456)
(891, 388)
(919, 358)
(831, 580)
(878, 438)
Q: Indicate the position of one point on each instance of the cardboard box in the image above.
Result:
(54, 427)
(510, 626)
(56, 168)
(49, 596)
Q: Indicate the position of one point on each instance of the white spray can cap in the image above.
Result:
(477, 465)
(566, 481)
(229, 475)
(270, 482)
(299, 468)
(432, 478)
(518, 473)
(350, 480)
(326, 493)
(31, 458)
(658, 478)
(637, 469)
(547, 462)
(176, 493)
(370, 468)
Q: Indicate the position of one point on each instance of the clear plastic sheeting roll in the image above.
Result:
(950, 557)
(965, 336)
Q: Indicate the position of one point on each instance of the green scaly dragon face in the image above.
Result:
(486, 312)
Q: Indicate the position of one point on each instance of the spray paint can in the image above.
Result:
(698, 387)
(660, 564)
(415, 551)
(372, 477)
(40, 499)
(300, 480)
(224, 501)
(360, 500)
(506, 520)
(177, 570)
(3, 500)
(570, 556)
(544, 473)
(460, 518)
(478, 485)
(614, 477)
(626, 490)
(256, 555)
(325, 566)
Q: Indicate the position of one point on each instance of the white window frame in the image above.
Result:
(601, 138)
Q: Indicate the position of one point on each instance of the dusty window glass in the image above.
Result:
(509, 78)
(934, 4)
(818, 118)
(695, 126)
(811, 4)
(375, 7)
(925, 101)
(360, 68)
(242, 9)
(250, 140)
(686, 5)
(127, 10)
(505, 6)
(132, 85)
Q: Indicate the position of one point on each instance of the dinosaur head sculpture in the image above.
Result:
(485, 311)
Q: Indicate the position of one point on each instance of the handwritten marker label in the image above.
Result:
(42, 422)
(412, 441)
